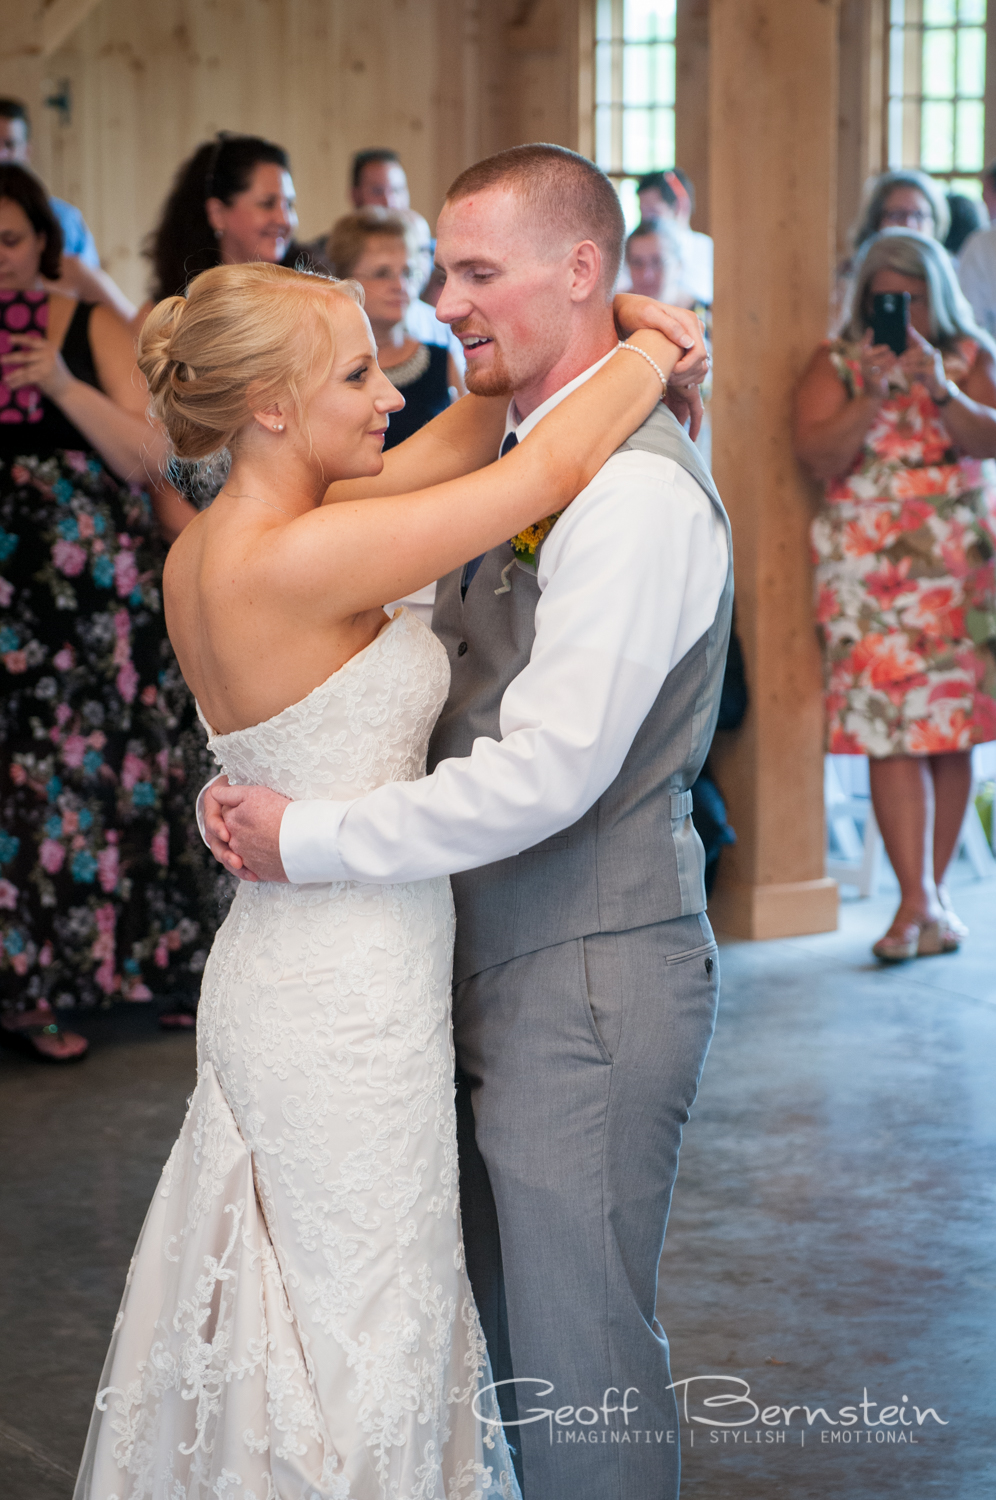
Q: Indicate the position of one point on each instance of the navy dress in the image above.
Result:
(423, 380)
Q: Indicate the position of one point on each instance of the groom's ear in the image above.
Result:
(586, 271)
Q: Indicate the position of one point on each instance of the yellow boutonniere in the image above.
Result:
(527, 544)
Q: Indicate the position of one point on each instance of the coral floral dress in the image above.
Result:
(904, 554)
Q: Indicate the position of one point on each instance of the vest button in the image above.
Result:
(462, 649)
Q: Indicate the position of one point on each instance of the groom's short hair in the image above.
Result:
(564, 190)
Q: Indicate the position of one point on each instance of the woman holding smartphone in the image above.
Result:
(904, 550)
(102, 880)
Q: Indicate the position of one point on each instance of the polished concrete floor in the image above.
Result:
(831, 1235)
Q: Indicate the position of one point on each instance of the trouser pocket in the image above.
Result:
(601, 990)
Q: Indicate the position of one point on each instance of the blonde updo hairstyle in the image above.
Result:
(243, 338)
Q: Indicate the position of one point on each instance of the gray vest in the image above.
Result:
(634, 858)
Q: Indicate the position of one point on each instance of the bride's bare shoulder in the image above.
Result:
(188, 544)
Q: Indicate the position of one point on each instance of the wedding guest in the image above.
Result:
(99, 878)
(652, 261)
(378, 180)
(968, 216)
(668, 198)
(15, 146)
(977, 262)
(232, 201)
(81, 274)
(378, 249)
(903, 199)
(989, 191)
(904, 551)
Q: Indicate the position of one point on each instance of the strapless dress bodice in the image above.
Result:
(367, 724)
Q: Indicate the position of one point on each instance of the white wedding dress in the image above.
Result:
(297, 1322)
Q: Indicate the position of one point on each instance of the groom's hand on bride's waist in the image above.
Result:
(242, 824)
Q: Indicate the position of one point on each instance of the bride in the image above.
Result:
(297, 1320)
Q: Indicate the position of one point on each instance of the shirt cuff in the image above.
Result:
(309, 842)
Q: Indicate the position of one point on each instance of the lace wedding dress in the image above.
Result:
(297, 1322)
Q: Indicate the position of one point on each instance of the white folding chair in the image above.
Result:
(858, 861)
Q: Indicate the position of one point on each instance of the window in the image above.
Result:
(634, 92)
(937, 82)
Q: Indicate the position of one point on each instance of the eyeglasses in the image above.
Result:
(907, 216)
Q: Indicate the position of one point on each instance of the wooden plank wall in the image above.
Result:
(440, 81)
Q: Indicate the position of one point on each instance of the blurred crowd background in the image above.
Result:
(106, 891)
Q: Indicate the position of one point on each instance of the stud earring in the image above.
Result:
(278, 426)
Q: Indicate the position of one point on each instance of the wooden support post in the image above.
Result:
(861, 140)
(22, 53)
(691, 103)
(773, 140)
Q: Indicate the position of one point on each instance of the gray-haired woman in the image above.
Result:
(904, 199)
(904, 551)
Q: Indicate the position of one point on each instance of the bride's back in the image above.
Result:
(227, 367)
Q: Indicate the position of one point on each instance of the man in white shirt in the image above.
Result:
(377, 179)
(582, 701)
(667, 198)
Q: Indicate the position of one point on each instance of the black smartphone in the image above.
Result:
(890, 319)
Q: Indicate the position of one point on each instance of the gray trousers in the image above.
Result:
(577, 1067)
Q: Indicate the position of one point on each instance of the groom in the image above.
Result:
(583, 700)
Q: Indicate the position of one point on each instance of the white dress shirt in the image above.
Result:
(630, 577)
(421, 603)
(696, 253)
(977, 274)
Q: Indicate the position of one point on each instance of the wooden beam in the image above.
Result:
(60, 19)
(861, 137)
(989, 146)
(691, 102)
(535, 27)
(773, 145)
(585, 24)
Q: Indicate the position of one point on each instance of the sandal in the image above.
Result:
(917, 940)
(31, 1037)
(951, 918)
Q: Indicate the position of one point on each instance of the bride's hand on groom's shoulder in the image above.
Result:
(679, 324)
(243, 828)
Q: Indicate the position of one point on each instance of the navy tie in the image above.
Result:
(509, 442)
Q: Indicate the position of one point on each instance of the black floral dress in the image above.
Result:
(106, 890)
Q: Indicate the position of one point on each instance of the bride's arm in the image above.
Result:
(461, 439)
(341, 559)
(466, 436)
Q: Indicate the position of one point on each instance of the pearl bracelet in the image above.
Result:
(637, 350)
